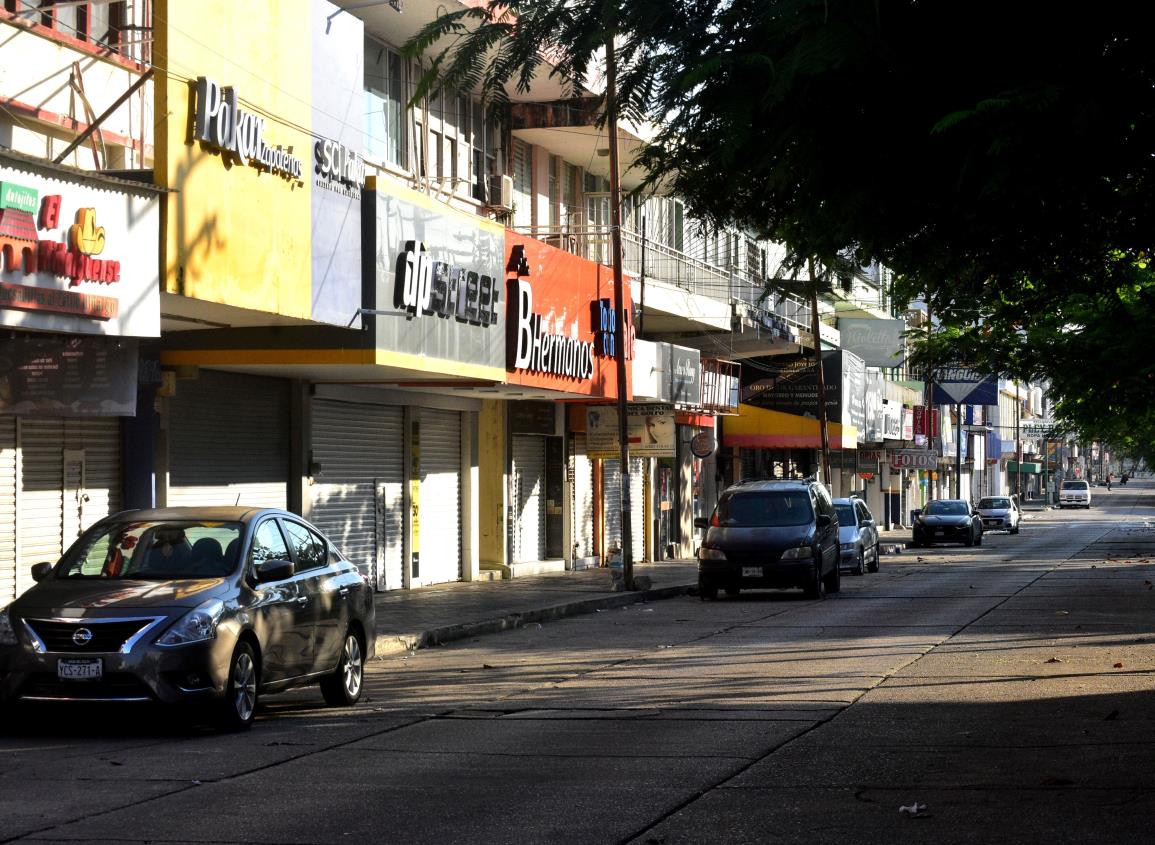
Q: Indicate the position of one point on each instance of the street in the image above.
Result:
(992, 694)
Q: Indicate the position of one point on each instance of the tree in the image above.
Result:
(997, 156)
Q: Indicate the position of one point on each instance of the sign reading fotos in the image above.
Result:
(651, 430)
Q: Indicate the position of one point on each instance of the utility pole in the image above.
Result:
(619, 315)
(822, 421)
(958, 451)
(1018, 445)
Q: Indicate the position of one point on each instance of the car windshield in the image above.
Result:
(1074, 485)
(946, 507)
(763, 509)
(159, 551)
(845, 515)
(994, 504)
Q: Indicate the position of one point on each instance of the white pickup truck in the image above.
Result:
(1075, 494)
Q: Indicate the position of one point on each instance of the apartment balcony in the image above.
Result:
(719, 311)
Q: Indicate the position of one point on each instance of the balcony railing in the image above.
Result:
(674, 267)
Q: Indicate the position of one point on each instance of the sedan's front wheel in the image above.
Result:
(343, 687)
(236, 710)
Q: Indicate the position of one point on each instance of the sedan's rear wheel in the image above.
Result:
(706, 590)
(859, 567)
(343, 687)
(873, 567)
(236, 710)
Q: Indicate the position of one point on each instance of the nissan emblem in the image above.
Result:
(82, 636)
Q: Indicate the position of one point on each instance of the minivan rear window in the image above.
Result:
(1074, 485)
(765, 509)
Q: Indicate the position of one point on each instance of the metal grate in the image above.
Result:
(106, 637)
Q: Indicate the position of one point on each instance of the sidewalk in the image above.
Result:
(411, 619)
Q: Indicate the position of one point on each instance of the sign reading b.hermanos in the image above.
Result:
(221, 123)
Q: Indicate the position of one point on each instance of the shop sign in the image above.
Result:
(58, 376)
(338, 168)
(907, 424)
(878, 342)
(926, 421)
(703, 444)
(221, 123)
(73, 259)
(686, 376)
(875, 455)
(428, 287)
(650, 429)
(542, 351)
(18, 197)
(958, 384)
(892, 415)
(913, 459)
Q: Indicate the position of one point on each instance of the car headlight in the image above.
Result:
(7, 632)
(195, 626)
(706, 553)
(799, 553)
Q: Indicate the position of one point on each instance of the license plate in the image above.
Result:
(751, 571)
(940, 532)
(79, 669)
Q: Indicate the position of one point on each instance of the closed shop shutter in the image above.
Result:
(528, 498)
(7, 509)
(638, 508)
(229, 441)
(612, 502)
(357, 498)
(440, 504)
(69, 477)
(582, 473)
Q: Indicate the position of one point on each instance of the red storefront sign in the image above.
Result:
(561, 320)
(926, 420)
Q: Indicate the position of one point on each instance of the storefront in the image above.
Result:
(78, 289)
(562, 344)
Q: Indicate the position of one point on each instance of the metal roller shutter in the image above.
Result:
(440, 504)
(7, 509)
(229, 441)
(529, 498)
(638, 508)
(357, 499)
(69, 477)
(582, 473)
(612, 502)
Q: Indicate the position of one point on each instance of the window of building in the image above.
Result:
(100, 24)
(385, 99)
(522, 184)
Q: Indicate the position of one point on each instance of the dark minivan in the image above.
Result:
(770, 534)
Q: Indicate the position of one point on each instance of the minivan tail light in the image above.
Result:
(714, 520)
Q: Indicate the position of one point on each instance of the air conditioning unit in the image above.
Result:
(501, 193)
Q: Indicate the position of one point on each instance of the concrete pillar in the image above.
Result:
(491, 485)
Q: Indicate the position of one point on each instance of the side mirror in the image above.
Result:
(274, 570)
(917, 512)
(701, 522)
(41, 570)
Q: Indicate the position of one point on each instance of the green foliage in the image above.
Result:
(997, 156)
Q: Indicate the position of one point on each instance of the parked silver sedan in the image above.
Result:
(1000, 513)
(857, 536)
(207, 606)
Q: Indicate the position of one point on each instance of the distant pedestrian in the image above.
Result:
(1110, 476)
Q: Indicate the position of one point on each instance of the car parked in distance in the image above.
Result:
(211, 607)
(1074, 494)
(1000, 513)
(857, 536)
(770, 534)
(948, 521)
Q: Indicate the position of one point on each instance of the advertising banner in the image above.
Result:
(58, 376)
(789, 384)
(651, 430)
(957, 384)
(913, 459)
(878, 342)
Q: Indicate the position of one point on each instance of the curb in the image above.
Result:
(390, 644)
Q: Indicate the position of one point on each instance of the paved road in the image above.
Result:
(1007, 688)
